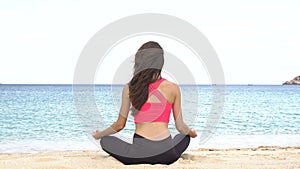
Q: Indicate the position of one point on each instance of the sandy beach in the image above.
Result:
(261, 157)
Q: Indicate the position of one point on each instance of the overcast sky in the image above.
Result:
(257, 42)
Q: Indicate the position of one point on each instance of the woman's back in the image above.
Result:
(158, 130)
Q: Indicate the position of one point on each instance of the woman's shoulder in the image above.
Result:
(170, 89)
(126, 89)
(169, 85)
(126, 86)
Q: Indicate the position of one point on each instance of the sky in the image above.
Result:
(257, 41)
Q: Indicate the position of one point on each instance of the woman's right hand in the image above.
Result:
(192, 133)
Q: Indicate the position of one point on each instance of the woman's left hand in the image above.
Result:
(97, 134)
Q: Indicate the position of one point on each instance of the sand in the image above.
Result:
(261, 157)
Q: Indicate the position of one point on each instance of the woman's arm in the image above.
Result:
(121, 121)
(177, 114)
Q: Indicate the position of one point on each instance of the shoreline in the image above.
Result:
(215, 142)
(260, 157)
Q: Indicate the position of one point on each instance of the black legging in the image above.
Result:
(145, 151)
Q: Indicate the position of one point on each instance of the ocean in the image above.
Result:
(35, 118)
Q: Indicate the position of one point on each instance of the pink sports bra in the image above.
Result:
(154, 112)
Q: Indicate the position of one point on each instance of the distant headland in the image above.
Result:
(295, 81)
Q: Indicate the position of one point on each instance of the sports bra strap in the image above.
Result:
(155, 85)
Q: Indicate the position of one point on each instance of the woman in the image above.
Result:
(152, 98)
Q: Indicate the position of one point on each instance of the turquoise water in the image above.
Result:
(47, 117)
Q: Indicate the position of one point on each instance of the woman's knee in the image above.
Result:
(182, 137)
(181, 142)
(105, 140)
(186, 139)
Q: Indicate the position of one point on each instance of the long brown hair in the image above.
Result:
(149, 61)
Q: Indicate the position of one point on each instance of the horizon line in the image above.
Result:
(245, 84)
